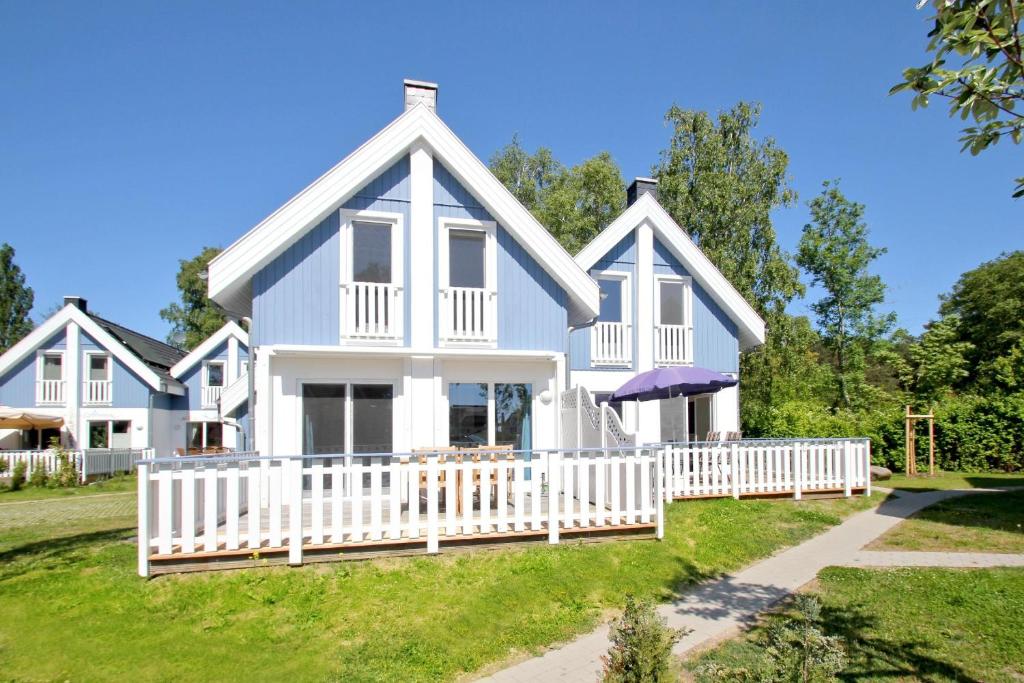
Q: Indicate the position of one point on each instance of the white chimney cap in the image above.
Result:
(420, 91)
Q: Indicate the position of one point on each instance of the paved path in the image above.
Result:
(716, 609)
(900, 558)
(56, 510)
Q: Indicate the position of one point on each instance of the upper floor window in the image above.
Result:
(97, 388)
(468, 276)
(215, 373)
(673, 343)
(213, 382)
(611, 337)
(50, 385)
(371, 277)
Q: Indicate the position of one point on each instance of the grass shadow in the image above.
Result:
(56, 553)
(996, 511)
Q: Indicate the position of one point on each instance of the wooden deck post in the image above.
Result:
(734, 479)
(798, 471)
(554, 467)
(143, 511)
(433, 543)
(847, 460)
(294, 488)
(666, 469)
(660, 460)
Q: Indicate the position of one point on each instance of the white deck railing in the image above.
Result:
(210, 396)
(611, 344)
(97, 392)
(90, 462)
(468, 314)
(755, 467)
(373, 310)
(303, 504)
(673, 345)
(50, 391)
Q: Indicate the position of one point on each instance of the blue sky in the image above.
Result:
(131, 135)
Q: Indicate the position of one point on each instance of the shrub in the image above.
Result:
(4, 464)
(38, 476)
(18, 475)
(980, 433)
(642, 643)
(66, 475)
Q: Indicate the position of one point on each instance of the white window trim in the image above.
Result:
(110, 431)
(87, 366)
(397, 223)
(687, 282)
(492, 411)
(206, 372)
(626, 278)
(395, 417)
(40, 359)
(490, 231)
(204, 446)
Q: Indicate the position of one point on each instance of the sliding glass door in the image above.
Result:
(490, 414)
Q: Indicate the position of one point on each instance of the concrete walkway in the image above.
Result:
(65, 509)
(717, 609)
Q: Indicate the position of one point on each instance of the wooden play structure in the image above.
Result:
(910, 434)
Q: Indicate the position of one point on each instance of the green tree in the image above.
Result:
(939, 360)
(985, 83)
(574, 204)
(196, 317)
(835, 252)
(16, 300)
(986, 307)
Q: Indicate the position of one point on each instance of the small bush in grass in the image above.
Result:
(38, 476)
(4, 464)
(795, 649)
(18, 475)
(642, 643)
(66, 475)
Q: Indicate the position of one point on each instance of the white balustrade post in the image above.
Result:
(734, 479)
(659, 472)
(666, 470)
(604, 424)
(554, 467)
(867, 467)
(847, 469)
(798, 471)
(432, 489)
(294, 474)
(143, 514)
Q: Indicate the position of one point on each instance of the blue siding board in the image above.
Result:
(532, 307)
(18, 385)
(128, 390)
(192, 379)
(296, 296)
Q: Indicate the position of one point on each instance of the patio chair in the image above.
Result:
(442, 455)
(493, 453)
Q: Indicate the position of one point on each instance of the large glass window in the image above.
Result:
(671, 296)
(467, 414)
(371, 252)
(513, 415)
(611, 300)
(99, 367)
(323, 418)
(466, 250)
(371, 418)
(204, 435)
(99, 434)
(53, 366)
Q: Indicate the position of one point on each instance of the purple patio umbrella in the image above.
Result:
(671, 382)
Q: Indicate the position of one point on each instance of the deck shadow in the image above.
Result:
(54, 552)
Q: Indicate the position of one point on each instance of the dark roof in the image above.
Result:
(158, 356)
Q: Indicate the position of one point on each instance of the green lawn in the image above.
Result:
(73, 609)
(984, 522)
(118, 484)
(952, 480)
(914, 624)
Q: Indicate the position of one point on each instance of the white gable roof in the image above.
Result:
(647, 208)
(59, 320)
(230, 329)
(230, 274)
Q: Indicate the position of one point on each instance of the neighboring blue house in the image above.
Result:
(663, 303)
(111, 386)
(406, 299)
(116, 388)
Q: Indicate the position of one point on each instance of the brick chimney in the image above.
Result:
(639, 187)
(420, 91)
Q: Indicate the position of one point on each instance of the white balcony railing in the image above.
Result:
(373, 310)
(211, 395)
(50, 391)
(611, 343)
(673, 345)
(468, 314)
(97, 392)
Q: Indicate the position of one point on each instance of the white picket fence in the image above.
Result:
(759, 467)
(241, 505)
(90, 462)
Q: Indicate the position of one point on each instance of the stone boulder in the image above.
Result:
(879, 473)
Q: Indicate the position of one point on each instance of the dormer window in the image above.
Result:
(467, 274)
(50, 385)
(371, 279)
(97, 387)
